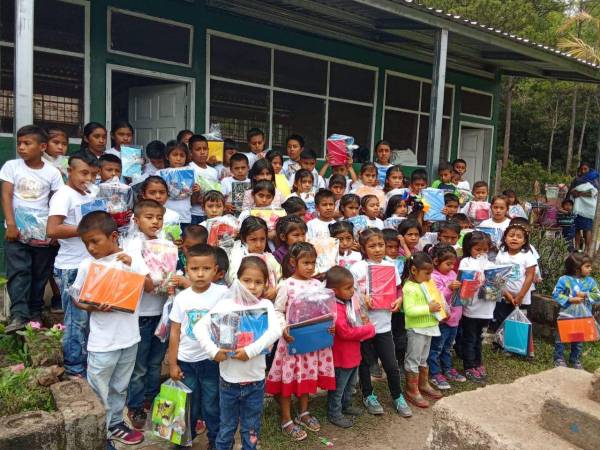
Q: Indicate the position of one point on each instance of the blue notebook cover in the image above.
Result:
(516, 337)
(310, 338)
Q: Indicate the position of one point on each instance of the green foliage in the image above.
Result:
(553, 253)
(20, 392)
(521, 177)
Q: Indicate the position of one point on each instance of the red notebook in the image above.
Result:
(381, 286)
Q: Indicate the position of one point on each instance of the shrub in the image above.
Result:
(521, 177)
(553, 253)
(19, 392)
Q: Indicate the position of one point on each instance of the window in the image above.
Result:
(150, 38)
(299, 93)
(406, 116)
(58, 66)
(476, 103)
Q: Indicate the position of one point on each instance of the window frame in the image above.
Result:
(476, 91)
(272, 88)
(419, 113)
(86, 62)
(190, 27)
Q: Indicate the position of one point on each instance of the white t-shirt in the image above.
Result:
(374, 223)
(252, 158)
(464, 184)
(318, 229)
(349, 259)
(381, 318)
(520, 263)
(479, 309)
(67, 203)
(489, 223)
(112, 330)
(188, 308)
(234, 370)
(209, 173)
(227, 182)
(31, 187)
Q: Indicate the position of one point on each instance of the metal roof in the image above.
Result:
(406, 28)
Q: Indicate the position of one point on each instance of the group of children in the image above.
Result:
(377, 218)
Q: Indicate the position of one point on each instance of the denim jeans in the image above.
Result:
(76, 323)
(197, 220)
(145, 381)
(108, 374)
(243, 404)
(28, 269)
(440, 353)
(380, 346)
(559, 350)
(471, 341)
(202, 378)
(341, 398)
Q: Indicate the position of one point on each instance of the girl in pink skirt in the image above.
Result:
(301, 374)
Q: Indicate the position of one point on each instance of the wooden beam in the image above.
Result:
(506, 56)
(400, 23)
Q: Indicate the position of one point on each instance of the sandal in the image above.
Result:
(309, 422)
(294, 431)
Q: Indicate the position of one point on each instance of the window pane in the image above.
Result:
(7, 105)
(423, 139)
(402, 93)
(149, 38)
(300, 73)
(476, 104)
(239, 108)
(351, 82)
(298, 114)
(59, 25)
(426, 99)
(351, 120)
(400, 129)
(7, 20)
(240, 60)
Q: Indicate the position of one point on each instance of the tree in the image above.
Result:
(572, 131)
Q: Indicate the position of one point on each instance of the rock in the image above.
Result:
(47, 376)
(573, 420)
(594, 392)
(37, 430)
(83, 414)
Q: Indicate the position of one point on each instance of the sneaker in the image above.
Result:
(376, 371)
(200, 426)
(560, 363)
(352, 411)
(482, 372)
(455, 375)
(342, 421)
(474, 375)
(15, 325)
(109, 445)
(439, 381)
(402, 407)
(577, 365)
(373, 406)
(137, 417)
(122, 433)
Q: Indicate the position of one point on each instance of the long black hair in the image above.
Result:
(419, 260)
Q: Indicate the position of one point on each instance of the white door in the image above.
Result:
(472, 150)
(157, 112)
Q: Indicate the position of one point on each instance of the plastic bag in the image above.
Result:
(464, 196)
(180, 181)
(31, 224)
(269, 215)
(393, 222)
(314, 303)
(434, 198)
(238, 191)
(160, 257)
(131, 160)
(119, 200)
(494, 282)
(494, 233)
(222, 232)
(339, 149)
(471, 281)
(111, 283)
(577, 324)
(238, 329)
(381, 286)
(328, 250)
(172, 231)
(207, 184)
(355, 309)
(163, 328)
(359, 223)
(515, 334)
(478, 211)
(171, 413)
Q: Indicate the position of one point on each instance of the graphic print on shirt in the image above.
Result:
(193, 317)
(28, 188)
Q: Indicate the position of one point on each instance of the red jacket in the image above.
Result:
(346, 342)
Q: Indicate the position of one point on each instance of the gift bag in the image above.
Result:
(494, 282)
(328, 250)
(339, 149)
(238, 191)
(515, 334)
(470, 283)
(160, 257)
(434, 200)
(171, 413)
(269, 215)
(131, 161)
(381, 286)
(31, 224)
(119, 200)
(180, 181)
(113, 284)
(163, 327)
(577, 324)
(432, 294)
(359, 223)
(464, 196)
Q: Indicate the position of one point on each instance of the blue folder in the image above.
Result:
(516, 337)
(310, 338)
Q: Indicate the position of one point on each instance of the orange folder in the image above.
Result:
(108, 285)
(577, 329)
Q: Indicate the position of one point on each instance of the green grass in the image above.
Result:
(502, 368)
(19, 392)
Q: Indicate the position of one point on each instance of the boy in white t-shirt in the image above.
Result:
(188, 362)
(114, 335)
(325, 204)
(27, 184)
(63, 218)
(199, 154)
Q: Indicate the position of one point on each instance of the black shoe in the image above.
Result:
(56, 304)
(109, 445)
(15, 325)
